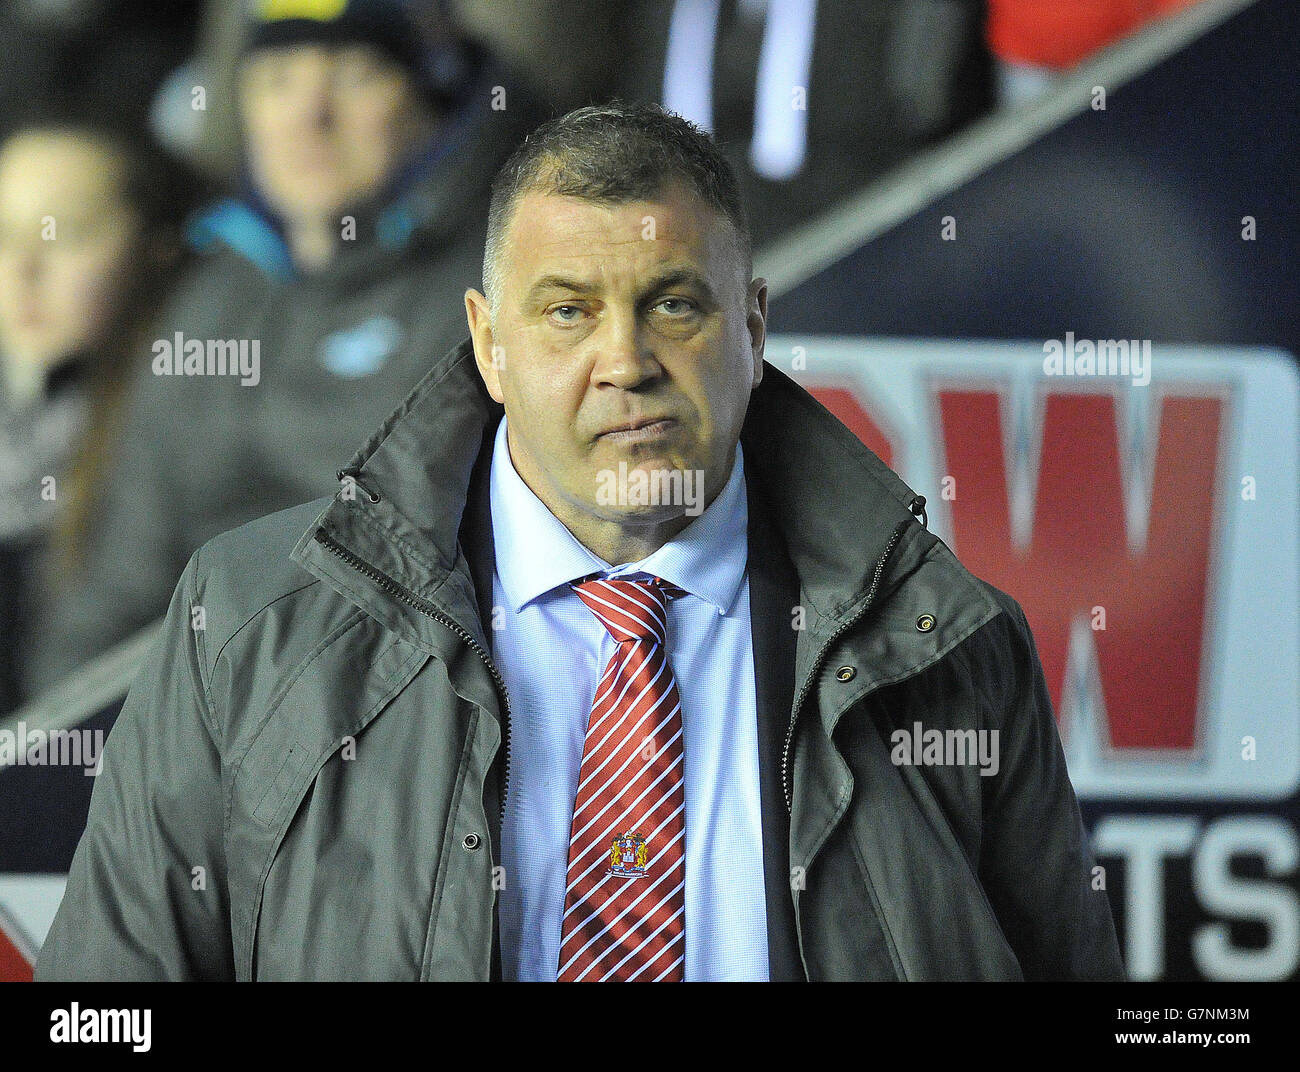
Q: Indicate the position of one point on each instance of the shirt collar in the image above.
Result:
(535, 553)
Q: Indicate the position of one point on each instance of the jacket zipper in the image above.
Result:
(821, 655)
(405, 595)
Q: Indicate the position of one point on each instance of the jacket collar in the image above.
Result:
(835, 503)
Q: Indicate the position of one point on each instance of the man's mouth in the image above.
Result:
(640, 429)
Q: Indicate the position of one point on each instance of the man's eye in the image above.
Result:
(566, 314)
(676, 306)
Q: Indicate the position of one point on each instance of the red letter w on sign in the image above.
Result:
(1149, 653)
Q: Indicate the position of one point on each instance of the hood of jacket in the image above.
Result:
(394, 546)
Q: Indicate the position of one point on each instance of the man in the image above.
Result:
(496, 712)
(369, 152)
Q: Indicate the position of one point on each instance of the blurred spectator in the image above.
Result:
(105, 55)
(336, 278)
(90, 223)
(1034, 40)
(809, 99)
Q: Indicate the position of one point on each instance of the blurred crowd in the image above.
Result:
(234, 235)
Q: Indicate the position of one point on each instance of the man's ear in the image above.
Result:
(480, 332)
(756, 321)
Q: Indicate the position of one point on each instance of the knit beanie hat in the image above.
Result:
(440, 68)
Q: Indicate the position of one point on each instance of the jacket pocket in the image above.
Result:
(332, 696)
(935, 913)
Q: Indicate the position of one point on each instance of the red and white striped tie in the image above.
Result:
(625, 895)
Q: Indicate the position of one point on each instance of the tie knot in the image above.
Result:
(630, 610)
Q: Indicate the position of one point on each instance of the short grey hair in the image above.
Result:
(611, 153)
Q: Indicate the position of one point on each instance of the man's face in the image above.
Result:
(613, 315)
(326, 127)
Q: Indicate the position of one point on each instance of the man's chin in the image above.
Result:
(640, 517)
(325, 198)
(648, 491)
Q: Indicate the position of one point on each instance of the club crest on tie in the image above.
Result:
(628, 856)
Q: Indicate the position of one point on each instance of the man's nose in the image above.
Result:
(624, 357)
(25, 262)
(318, 110)
(313, 101)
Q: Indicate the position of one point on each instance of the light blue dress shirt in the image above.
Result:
(552, 650)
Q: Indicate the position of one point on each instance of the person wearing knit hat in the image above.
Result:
(334, 107)
(438, 63)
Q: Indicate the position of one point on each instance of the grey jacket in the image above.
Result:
(310, 784)
(338, 349)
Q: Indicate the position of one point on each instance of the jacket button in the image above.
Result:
(470, 842)
(846, 673)
(925, 623)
